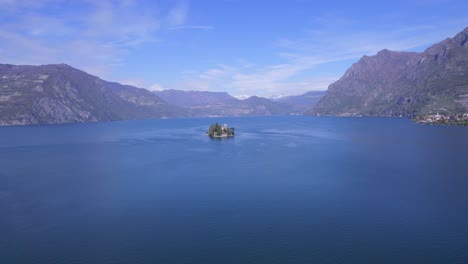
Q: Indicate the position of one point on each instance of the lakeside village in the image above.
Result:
(458, 119)
(220, 131)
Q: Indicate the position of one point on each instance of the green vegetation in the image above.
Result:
(220, 131)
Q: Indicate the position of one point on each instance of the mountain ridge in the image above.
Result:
(300, 103)
(389, 83)
(59, 93)
(407, 84)
(208, 104)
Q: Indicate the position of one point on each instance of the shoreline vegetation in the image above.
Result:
(220, 131)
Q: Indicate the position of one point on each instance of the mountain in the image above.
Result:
(263, 106)
(52, 94)
(300, 103)
(58, 93)
(195, 98)
(205, 104)
(405, 84)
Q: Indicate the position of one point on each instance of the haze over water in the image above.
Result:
(284, 190)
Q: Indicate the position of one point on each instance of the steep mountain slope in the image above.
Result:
(300, 103)
(203, 104)
(52, 94)
(403, 83)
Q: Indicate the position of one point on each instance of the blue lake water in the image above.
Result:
(284, 190)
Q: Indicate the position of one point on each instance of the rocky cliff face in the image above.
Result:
(403, 83)
(53, 94)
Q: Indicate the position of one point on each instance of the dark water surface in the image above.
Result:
(284, 190)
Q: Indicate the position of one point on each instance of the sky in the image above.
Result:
(244, 47)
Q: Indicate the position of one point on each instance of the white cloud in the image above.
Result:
(178, 15)
(212, 74)
(137, 82)
(14, 5)
(19, 49)
(95, 37)
(193, 27)
(333, 39)
(242, 96)
(40, 26)
(243, 81)
(98, 36)
(122, 23)
(156, 87)
(177, 18)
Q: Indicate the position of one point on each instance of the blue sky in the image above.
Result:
(245, 47)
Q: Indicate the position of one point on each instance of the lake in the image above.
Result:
(285, 190)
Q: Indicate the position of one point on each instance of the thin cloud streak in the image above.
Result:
(178, 15)
(97, 37)
(269, 81)
(102, 37)
(193, 27)
(319, 46)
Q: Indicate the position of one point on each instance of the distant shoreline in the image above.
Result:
(3, 125)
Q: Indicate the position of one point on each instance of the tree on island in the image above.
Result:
(217, 130)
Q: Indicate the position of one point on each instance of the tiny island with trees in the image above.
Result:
(220, 131)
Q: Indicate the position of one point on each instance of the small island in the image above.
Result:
(220, 131)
